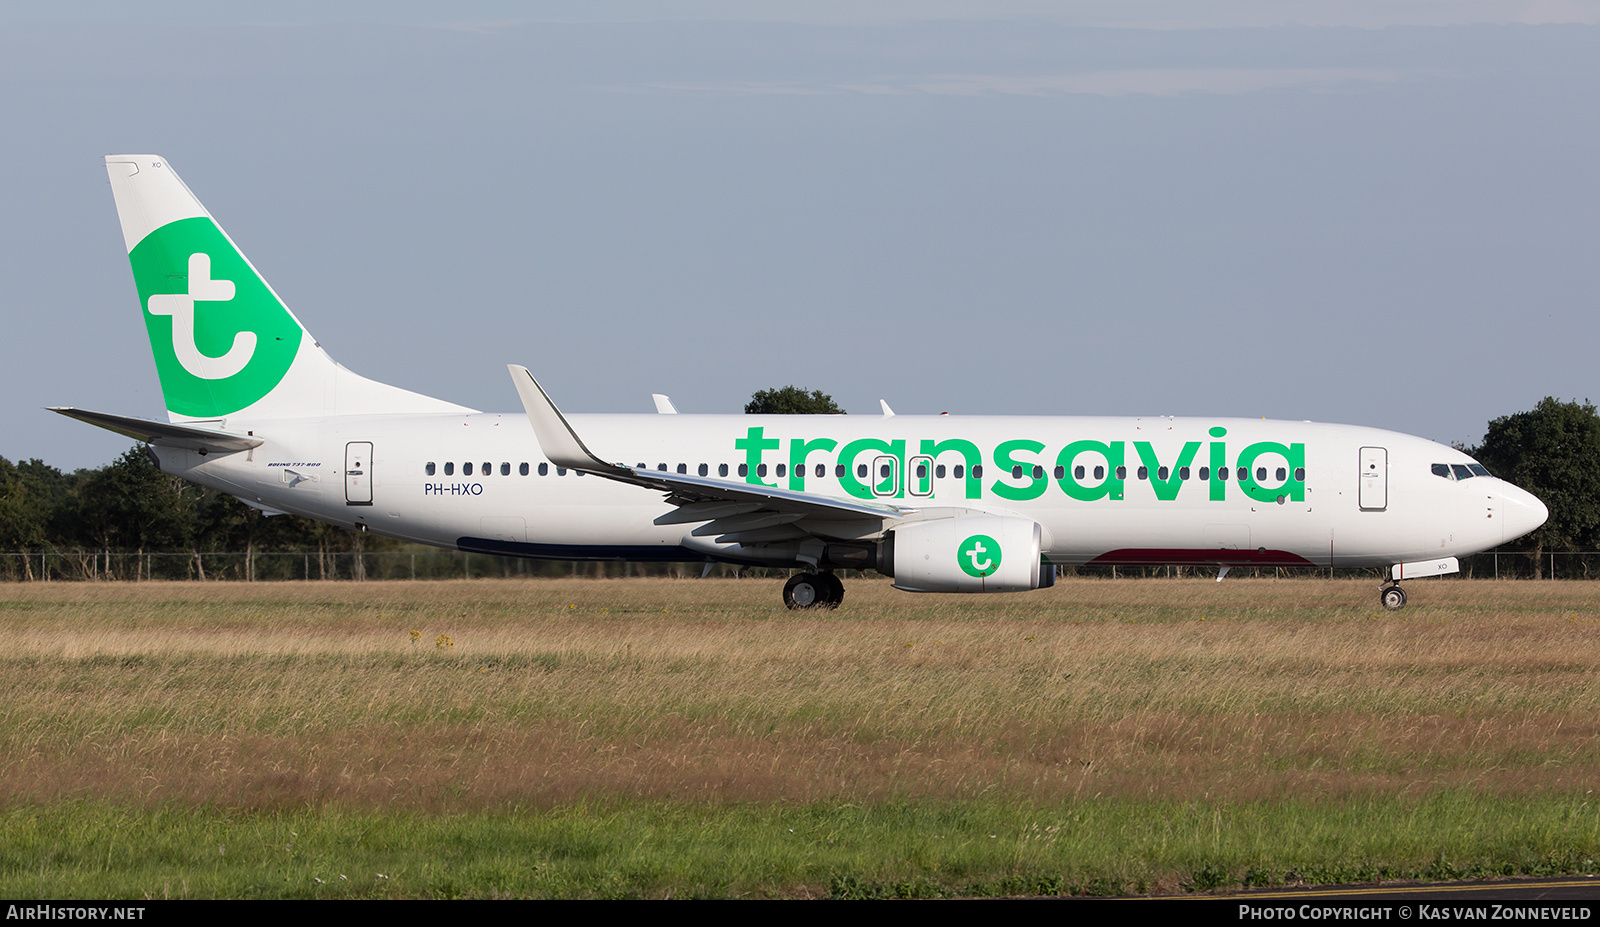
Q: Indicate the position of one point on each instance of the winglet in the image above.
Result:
(664, 405)
(887, 412)
(561, 445)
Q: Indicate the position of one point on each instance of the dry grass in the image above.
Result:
(284, 695)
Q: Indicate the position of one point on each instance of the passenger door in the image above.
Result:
(1374, 491)
(358, 473)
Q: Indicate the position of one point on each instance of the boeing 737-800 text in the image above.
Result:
(941, 503)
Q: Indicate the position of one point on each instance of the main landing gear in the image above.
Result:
(813, 590)
(1392, 597)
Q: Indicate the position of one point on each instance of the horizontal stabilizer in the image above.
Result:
(165, 434)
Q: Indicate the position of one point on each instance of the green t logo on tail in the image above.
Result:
(979, 556)
(221, 338)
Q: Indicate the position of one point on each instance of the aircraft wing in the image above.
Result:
(164, 433)
(734, 511)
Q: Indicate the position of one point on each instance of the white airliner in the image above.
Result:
(941, 503)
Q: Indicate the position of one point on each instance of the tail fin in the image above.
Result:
(224, 343)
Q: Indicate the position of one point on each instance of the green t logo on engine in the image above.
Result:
(979, 555)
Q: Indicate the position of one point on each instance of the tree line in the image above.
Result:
(1552, 451)
(130, 507)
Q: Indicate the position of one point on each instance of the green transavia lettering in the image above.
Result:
(1023, 469)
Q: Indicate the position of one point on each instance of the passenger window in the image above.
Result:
(1099, 473)
(1299, 474)
(922, 471)
(683, 469)
(744, 470)
(1161, 474)
(449, 468)
(960, 471)
(1244, 473)
(1222, 473)
(838, 471)
(561, 471)
(861, 471)
(488, 468)
(938, 472)
(523, 468)
(466, 468)
(1205, 474)
(884, 471)
(761, 469)
(1122, 473)
(780, 469)
(1059, 472)
(822, 470)
(977, 471)
(1183, 473)
(1038, 472)
(505, 468)
(1144, 473)
(1016, 472)
(1261, 474)
(1281, 474)
(703, 470)
(429, 468)
(722, 469)
(544, 469)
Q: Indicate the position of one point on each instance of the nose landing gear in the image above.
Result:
(1392, 597)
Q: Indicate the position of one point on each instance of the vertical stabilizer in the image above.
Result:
(225, 345)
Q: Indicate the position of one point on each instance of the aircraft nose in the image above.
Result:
(1521, 512)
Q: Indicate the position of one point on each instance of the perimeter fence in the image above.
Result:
(435, 563)
(279, 566)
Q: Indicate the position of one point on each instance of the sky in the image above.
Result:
(1375, 213)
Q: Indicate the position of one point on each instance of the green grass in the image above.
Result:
(881, 849)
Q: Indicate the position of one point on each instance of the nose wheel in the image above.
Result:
(1392, 597)
(813, 590)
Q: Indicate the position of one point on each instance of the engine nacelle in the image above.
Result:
(974, 553)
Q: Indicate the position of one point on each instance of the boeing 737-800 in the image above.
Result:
(942, 503)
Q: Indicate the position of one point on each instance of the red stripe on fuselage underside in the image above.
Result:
(1162, 556)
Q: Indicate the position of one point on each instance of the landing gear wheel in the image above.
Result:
(806, 590)
(1393, 598)
(835, 590)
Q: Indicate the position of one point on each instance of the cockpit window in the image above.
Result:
(1460, 471)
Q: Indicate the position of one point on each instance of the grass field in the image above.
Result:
(687, 738)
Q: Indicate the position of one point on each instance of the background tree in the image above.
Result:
(32, 495)
(792, 400)
(1553, 452)
(130, 505)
